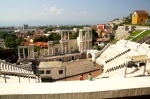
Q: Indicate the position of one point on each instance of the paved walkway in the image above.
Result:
(105, 84)
(94, 74)
(74, 68)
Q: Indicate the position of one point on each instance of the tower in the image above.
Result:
(85, 39)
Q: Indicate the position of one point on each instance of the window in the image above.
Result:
(41, 71)
(142, 20)
(48, 71)
(72, 49)
(56, 50)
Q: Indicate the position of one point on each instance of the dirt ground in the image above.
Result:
(85, 76)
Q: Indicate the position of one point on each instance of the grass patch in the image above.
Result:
(114, 41)
(133, 34)
(147, 32)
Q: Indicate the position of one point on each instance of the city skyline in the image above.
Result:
(66, 12)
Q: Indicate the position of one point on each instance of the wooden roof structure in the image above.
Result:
(138, 58)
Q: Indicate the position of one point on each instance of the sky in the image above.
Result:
(66, 12)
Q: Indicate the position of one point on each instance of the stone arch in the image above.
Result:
(89, 55)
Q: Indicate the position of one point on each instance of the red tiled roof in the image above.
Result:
(100, 26)
(65, 36)
(141, 12)
(25, 43)
(43, 44)
(102, 39)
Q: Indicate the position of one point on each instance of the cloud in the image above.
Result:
(84, 12)
(53, 10)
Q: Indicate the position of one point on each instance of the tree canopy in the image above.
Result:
(41, 39)
(3, 35)
(11, 41)
(74, 35)
(54, 37)
(94, 36)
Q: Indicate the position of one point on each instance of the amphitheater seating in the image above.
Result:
(12, 73)
(115, 58)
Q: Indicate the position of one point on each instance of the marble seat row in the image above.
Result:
(10, 68)
(121, 53)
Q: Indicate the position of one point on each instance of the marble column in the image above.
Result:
(33, 51)
(52, 50)
(28, 53)
(85, 46)
(48, 49)
(62, 48)
(69, 49)
(23, 53)
(65, 50)
(18, 52)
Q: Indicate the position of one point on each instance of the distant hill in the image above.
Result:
(120, 21)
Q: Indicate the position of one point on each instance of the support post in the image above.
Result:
(38, 74)
(18, 52)
(144, 67)
(28, 53)
(23, 53)
(29, 78)
(5, 78)
(65, 73)
(19, 78)
(125, 70)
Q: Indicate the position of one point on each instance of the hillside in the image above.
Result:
(138, 35)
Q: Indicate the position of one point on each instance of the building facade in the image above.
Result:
(64, 46)
(139, 17)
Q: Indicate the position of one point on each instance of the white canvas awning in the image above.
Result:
(50, 64)
(138, 58)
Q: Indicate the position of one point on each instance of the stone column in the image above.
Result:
(85, 46)
(52, 50)
(68, 35)
(81, 46)
(88, 44)
(19, 52)
(33, 51)
(91, 45)
(69, 49)
(48, 49)
(61, 34)
(65, 50)
(44, 51)
(62, 48)
(23, 53)
(91, 35)
(28, 53)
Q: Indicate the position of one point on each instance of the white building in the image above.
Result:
(64, 46)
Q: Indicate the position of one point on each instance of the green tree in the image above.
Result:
(11, 41)
(48, 29)
(3, 35)
(94, 36)
(54, 37)
(30, 33)
(41, 39)
(74, 35)
(112, 36)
